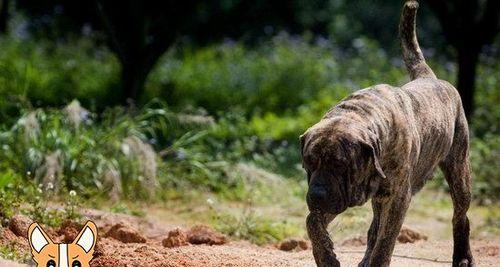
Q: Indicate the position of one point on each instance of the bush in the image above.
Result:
(486, 119)
(486, 169)
(129, 153)
(44, 73)
(277, 77)
(57, 152)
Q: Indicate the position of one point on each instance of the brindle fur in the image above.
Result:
(383, 143)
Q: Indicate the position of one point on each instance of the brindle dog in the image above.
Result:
(384, 143)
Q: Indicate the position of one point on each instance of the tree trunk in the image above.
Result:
(467, 68)
(135, 71)
(4, 15)
(133, 79)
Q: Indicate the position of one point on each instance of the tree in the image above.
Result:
(468, 25)
(4, 15)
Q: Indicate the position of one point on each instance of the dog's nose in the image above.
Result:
(316, 197)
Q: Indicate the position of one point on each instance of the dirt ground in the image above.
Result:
(113, 250)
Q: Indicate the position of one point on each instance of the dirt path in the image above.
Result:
(242, 254)
(112, 252)
(238, 254)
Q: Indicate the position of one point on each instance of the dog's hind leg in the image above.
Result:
(456, 169)
(372, 233)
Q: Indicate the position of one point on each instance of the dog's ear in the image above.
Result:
(302, 138)
(37, 238)
(373, 154)
(87, 237)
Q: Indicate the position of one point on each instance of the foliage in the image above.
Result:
(278, 77)
(19, 196)
(487, 115)
(84, 154)
(260, 101)
(256, 229)
(486, 176)
(44, 73)
(9, 252)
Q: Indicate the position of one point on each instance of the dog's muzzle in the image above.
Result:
(317, 198)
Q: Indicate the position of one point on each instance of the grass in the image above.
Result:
(10, 252)
(430, 213)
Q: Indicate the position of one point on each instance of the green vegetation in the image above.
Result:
(222, 120)
(10, 252)
(25, 197)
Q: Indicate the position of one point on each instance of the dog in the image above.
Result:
(46, 253)
(383, 143)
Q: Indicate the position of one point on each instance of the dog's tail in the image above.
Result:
(412, 55)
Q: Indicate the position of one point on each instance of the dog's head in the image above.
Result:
(342, 166)
(46, 253)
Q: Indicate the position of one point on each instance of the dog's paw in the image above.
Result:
(466, 263)
(329, 263)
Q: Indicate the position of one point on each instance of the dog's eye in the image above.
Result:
(76, 264)
(51, 263)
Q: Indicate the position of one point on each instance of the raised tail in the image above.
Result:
(412, 55)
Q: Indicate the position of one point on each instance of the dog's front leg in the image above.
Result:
(372, 233)
(322, 245)
(392, 214)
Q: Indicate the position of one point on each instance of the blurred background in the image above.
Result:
(174, 104)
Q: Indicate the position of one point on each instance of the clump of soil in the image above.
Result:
(175, 238)
(202, 234)
(69, 231)
(19, 225)
(293, 244)
(8, 238)
(125, 234)
(407, 235)
(357, 241)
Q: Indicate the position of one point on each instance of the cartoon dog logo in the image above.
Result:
(46, 253)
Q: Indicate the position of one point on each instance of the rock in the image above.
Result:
(19, 225)
(175, 238)
(295, 244)
(125, 234)
(407, 235)
(202, 234)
